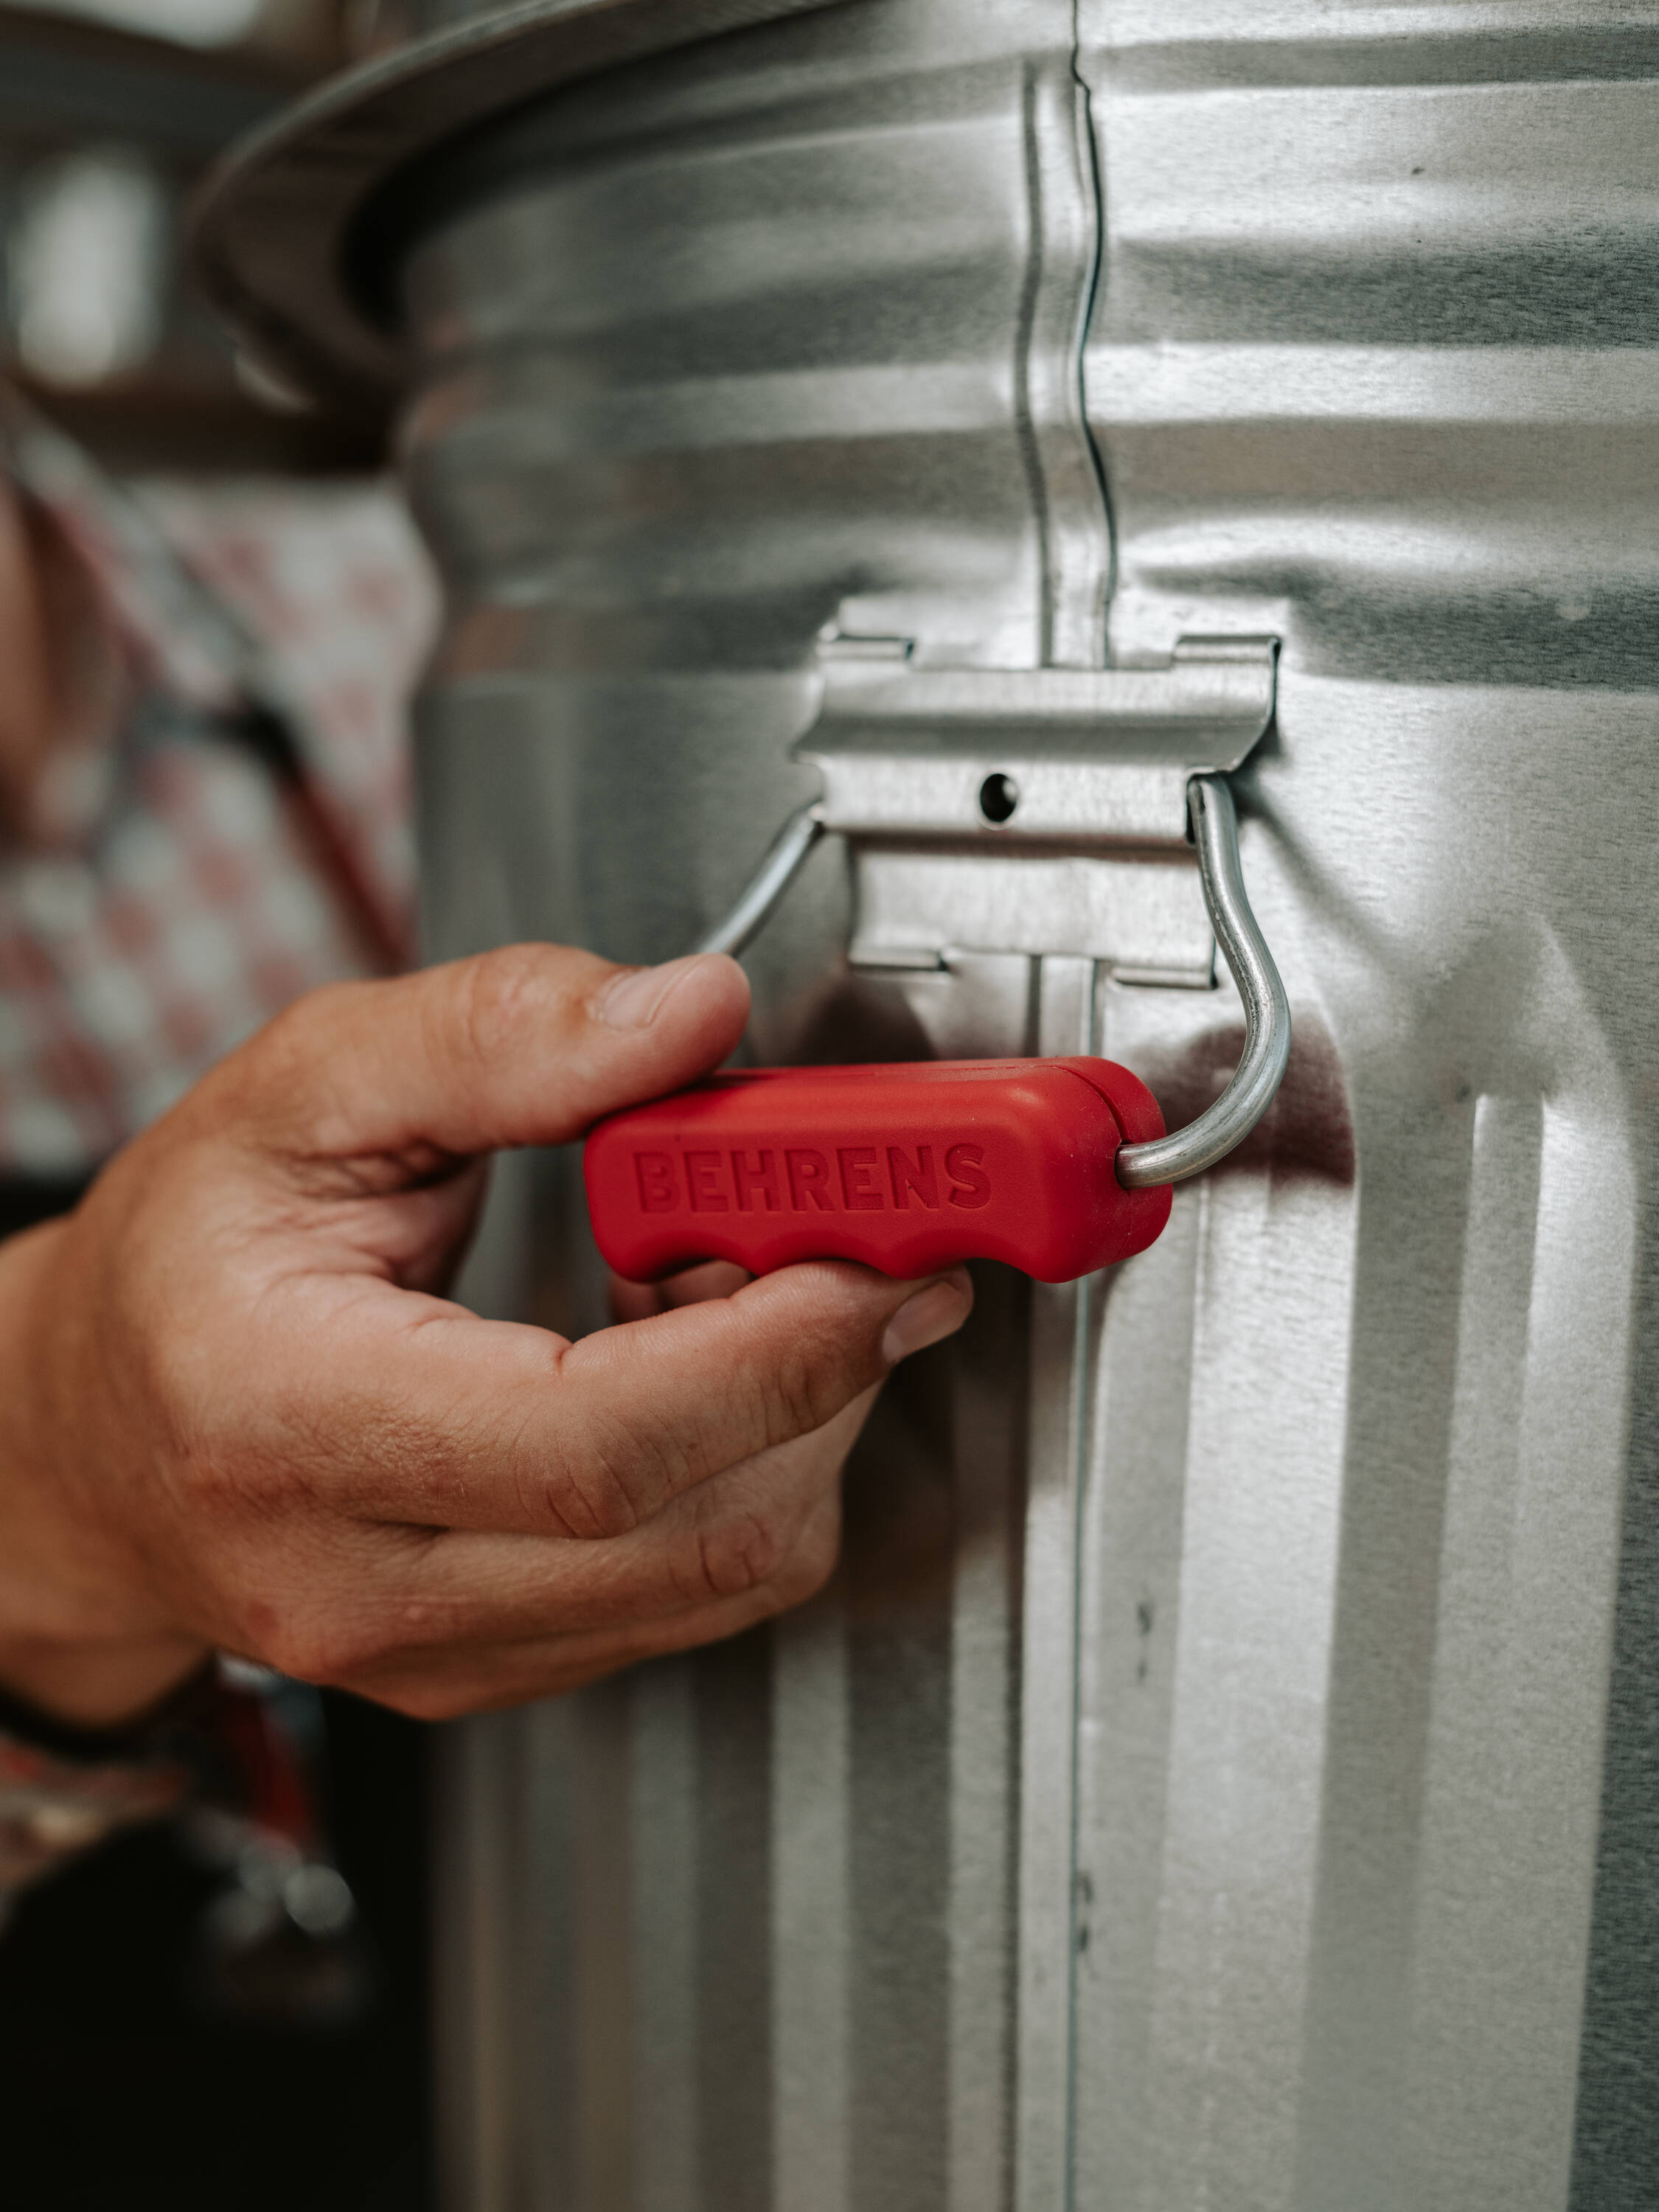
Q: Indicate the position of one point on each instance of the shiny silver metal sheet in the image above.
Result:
(1095, 755)
(776, 337)
(287, 234)
(1364, 369)
(1220, 1779)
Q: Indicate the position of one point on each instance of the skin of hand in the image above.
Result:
(237, 1411)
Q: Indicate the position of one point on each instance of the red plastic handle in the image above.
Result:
(908, 1167)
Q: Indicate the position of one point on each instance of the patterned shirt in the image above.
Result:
(229, 827)
(234, 827)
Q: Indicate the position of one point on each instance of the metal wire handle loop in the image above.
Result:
(784, 856)
(1260, 1070)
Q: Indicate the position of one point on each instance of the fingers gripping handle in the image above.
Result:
(1057, 1167)
(909, 1169)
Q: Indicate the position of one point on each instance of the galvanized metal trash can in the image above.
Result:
(1222, 1773)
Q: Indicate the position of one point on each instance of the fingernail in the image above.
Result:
(636, 999)
(929, 1315)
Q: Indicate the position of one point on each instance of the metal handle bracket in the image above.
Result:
(1217, 697)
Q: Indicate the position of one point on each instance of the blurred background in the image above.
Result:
(109, 113)
(214, 2012)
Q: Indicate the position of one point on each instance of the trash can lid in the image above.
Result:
(281, 234)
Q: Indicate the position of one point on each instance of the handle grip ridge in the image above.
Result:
(910, 1168)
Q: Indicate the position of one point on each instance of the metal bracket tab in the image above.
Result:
(1086, 758)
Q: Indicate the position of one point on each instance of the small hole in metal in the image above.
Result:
(999, 795)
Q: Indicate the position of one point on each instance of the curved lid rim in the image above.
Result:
(271, 224)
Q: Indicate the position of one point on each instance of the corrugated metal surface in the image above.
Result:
(1192, 1794)
(803, 348)
(1372, 366)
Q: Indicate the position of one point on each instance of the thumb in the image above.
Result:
(524, 1046)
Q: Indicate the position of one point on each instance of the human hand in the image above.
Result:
(237, 1411)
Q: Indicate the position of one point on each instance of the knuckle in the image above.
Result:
(736, 1554)
(333, 1651)
(337, 1637)
(212, 1484)
(808, 1568)
(224, 1485)
(310, 1649)
(596, 1496)
(809, 1562)
(282, 1054)
(802, 1394)
(493, 993)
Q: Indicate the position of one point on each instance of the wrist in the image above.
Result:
(76, 1641)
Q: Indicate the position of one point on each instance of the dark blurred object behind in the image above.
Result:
(104, 131)
(122, 2080)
